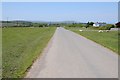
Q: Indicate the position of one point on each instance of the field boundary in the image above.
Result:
(94, 42)
(41, 58)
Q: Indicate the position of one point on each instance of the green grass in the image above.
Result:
(21, 46)
(0, 53)
(107, 39)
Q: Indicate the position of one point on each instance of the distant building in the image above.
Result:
(99, 24)
(118, 24)
(96, 24)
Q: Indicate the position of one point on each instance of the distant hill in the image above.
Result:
(15, 23)
(21, 23)
(55, 22)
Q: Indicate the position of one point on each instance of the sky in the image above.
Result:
(60, 0)
(61, 11)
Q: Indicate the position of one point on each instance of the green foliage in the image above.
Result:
(107, 39)
(16, 24)
(40, 25)
(76, 25)
(22, 24)
(107, 27)
(87, 25)
(21, 46)
(90, 23)
(117, 26)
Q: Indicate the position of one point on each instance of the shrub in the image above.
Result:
(107, 27)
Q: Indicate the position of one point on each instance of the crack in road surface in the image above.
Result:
(73, 56)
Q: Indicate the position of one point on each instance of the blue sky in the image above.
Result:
(61, 11)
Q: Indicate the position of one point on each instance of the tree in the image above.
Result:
(91, 23)
(87, 25)
(40, 25)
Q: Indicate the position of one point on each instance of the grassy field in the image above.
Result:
(0, 53)
(21, 46)
(107, 39)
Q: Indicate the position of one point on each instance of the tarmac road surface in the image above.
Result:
(70, 55)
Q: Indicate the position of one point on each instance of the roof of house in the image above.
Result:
(117, 24)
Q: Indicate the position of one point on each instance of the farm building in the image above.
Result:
(99, 24)
(118, 24)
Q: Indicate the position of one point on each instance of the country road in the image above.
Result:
(70, 55)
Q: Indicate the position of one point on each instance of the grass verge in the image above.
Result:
(21, 46)
(107, 39)
(0, 53)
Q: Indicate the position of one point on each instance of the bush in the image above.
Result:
(40, 25)
(76, 25)
(102, 28)
(107, 27)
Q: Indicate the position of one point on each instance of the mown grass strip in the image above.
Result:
(21, 46)
(107, 39)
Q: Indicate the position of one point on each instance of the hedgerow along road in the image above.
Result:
(70, 55)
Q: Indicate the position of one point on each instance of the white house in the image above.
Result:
(96, 24)
(99, 24)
